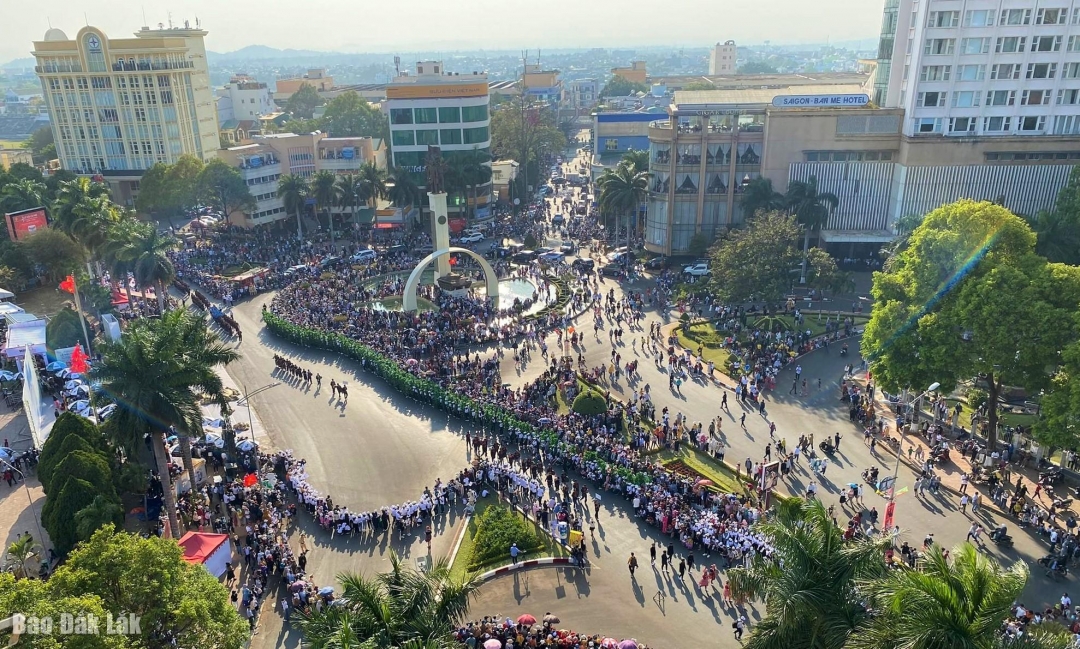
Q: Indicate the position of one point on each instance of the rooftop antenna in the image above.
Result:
(170, 20)
(86, 19)
(49, 20)
(397, 66)
(144, 14)
(197, 23)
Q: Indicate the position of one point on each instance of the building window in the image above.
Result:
(1000, 97)
(401, 116)
(943, 19)
(1015, 17)
(971, 72)
(425, 115)
(930, 99)
(449, 115)
(1067, 125)
(1045, 43)
(1051, 16)
(939, 46)
(402, 138)
(1068, 97)
(427, 137)
(928, 125)
(1010, 44)
(474, 113)
(997, 124)
(1032, 123)
(475, 135)
(975, 45)
(611, 144)
(1041, 70)
(1005, 71)
(935, 73)
(962, 124)
(450, 136)
(979, 18)
(1072, 71)
(966, 99)
(1035, 98)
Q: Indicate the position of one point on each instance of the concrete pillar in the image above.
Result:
(441, 232)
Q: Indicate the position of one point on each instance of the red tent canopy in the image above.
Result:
(198, 547)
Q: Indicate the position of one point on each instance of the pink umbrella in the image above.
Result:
(628, 644)
(609, 643)
(495, 644)
(526, 620)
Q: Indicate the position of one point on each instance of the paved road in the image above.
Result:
(382, 448)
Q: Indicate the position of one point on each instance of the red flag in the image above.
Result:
(890, 512)
(250, 479)
(78, 359)
(68, 284)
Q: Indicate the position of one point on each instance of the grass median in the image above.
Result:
(466, 561)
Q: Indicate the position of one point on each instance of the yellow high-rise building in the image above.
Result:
(118, 106)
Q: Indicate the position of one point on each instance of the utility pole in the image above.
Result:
(524, 143)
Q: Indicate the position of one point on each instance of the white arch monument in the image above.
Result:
(408, 299)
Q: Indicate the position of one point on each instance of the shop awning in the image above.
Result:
(364, 216)
(857, 236)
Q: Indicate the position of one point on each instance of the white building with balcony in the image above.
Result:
(244, 98)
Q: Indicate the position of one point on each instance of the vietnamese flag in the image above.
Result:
(250, 479)
(68, 284)
(78, 359)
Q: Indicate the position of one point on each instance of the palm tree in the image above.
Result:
(622, 191)
(119, 238)
(89, 223)
(811, 208)
(809, 583)
(346, 194)
(156, 374)
(23, 194)
(293, 190)
(70, 194)
(639, 160)
(402, 189)
(19, 552)
(147, 252)
(1057, 235)
(399, 608)
(371, 183)
(324, 189)
(759, 196)
(475, 169)
(956, 602)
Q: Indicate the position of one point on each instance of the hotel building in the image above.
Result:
(438, 108)
(119, 106)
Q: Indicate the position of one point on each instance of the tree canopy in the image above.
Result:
(621, 87)
(969, 297)
(757, 260)
(304, 101)
(350, 115)
(170, 190)
(222, 186)
(1057, 231)
(521, 132)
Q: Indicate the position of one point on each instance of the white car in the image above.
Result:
(364, 256)
(697, 270)
(292, 270)
(552, 257)
(471, 237)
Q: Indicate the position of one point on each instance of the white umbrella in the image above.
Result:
(81, 404)
(56, 365)
(7, 376)
(213, 423)
(214, 440)
(78, 390)
(103, 413)
(72, 384)
(245, 445)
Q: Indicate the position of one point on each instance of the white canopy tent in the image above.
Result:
(25, 335)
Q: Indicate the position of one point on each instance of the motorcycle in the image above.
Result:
(1051, 477)
(1001, 537)
(1055, 565)
(870, 476)
(827, 448)
(843, 350)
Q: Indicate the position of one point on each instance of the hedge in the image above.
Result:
(430, 391)
(496, 530)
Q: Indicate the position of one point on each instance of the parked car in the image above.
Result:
(659, 262)
(425, 248)
(292, 270)
(365, 255)
(583, 265)
(696, 270)
(557, 219)
(471, 237)
(552, 257)
(396, 249)
(329, 261)
(568, 247)
(612, 270)
(524, 257)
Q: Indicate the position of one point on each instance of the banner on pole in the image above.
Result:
(890, 512)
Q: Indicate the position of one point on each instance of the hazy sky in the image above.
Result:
(416, 25)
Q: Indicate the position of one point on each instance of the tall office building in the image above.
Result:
(118, 106)
(722, 59)
(982, 67)
(435, 107)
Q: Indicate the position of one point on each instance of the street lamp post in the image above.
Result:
(29, 496)
(891, 506)
(246, 401)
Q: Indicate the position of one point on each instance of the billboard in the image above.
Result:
(437, 91)
(23, 223)
(820, 101)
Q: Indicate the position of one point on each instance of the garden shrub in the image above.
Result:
(589, 403)
(497, 528)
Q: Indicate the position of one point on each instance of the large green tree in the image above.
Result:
(157, 374)
(954, 602)
(44, 599)
(146, 251)
(812, 208)
(809, 582)
(759, 196)
(324, 189)
(639, 160)
(401, 189)
(400, 608)
(969, 298)
(22, 194)
(170, 190)
(72, 193)
(41, 145)
(371, 183)
(756, 261)
(222, 187)
(475, 169)
(149, 577)
(55, 252)
(524, 132)
(350, 115)
(304, 101)
(621, 87)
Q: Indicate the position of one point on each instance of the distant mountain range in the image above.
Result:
(260, 52)
(19, 64)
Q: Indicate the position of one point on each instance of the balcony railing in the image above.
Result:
(127, 66)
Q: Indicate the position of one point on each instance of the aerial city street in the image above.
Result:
(660, 347)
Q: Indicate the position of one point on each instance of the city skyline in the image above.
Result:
(601, 23)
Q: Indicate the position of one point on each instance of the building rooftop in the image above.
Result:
(762, 96)
(722, 82)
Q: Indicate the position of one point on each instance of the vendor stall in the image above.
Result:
(212, 551)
